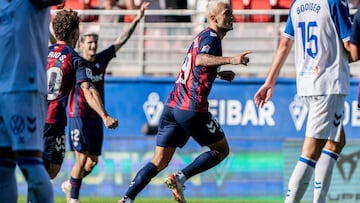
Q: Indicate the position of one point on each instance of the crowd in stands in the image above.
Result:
(199, 5)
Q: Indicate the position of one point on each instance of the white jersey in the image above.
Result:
(319, 28)
(23, 52)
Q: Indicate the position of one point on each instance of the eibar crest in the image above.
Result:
(153, 108)
(298, 112)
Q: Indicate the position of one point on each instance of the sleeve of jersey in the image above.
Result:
(107, 55)
(355, 30)
(341, 17)
(289, 29)
(82, 70)
(208, 44)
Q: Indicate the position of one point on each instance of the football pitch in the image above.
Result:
(169, 200)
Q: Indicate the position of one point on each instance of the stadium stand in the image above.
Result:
(158, 48)
(260, 5)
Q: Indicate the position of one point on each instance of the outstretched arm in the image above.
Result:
(208, 60)
(122, 39)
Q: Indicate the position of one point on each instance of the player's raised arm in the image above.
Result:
(122, 39)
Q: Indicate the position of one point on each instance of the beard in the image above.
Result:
(226, 29)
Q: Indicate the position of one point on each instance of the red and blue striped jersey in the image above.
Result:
(194, 83)
(78, 107)
(65, 68)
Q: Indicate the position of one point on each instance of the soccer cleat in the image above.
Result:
(176, 187)
(125, 200)
(66, 188)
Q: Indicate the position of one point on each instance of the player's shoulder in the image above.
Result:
(208, 35)
(208, 32)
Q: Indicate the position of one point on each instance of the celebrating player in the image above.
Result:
(186, 109)
(320, 31)
(355, 37)
(66, 70)
(86, 128)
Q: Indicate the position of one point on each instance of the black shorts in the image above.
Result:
(176, 126)
(54, 143)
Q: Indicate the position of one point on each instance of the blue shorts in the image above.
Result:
(54, 143)
(22, 118)
(86, 135)
(176, 126)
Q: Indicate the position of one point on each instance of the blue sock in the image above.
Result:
(202, 163)
(142, 178)
(75, 187)
(39, 186)
(8, 185)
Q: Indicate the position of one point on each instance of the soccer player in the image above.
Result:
(24, 30)
(186, 112)
(66, 70)
(355, 37)
(320, 30)
(85, 125)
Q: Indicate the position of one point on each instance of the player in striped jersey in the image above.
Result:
(24, 30)
(85, 125)
(186, 109)
(66, 69)
(320, 30)
(355, 37)
(355, 44)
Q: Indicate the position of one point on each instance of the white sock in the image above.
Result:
(300, 179)
(323, 173)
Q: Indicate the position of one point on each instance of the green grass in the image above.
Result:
(169, 200)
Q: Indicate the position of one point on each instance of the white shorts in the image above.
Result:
(22, 119)
(325, 117)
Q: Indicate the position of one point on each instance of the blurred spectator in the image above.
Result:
(129, 5)
(177, 4)
(168, 4)
(156, 5)
(200, 7)
(118, 5)
(81, 5)
(239, 5)
(281, 4)
(259, 5)
(111, 5)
